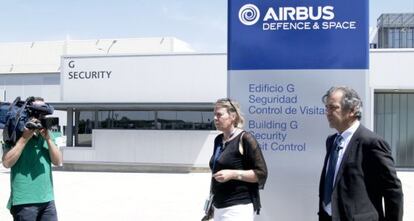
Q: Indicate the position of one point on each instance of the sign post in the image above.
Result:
(282, 57)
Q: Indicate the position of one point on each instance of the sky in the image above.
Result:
(201, 23)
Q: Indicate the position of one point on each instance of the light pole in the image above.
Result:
(110, 46)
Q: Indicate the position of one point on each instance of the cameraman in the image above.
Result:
(30, 159)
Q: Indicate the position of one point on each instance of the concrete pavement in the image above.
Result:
(108, 196)
(122, 196)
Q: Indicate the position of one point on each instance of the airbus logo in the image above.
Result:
(276, 18)
(249, 14)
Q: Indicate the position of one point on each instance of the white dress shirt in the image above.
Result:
(346, 135)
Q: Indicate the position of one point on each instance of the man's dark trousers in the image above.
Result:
(35, 212)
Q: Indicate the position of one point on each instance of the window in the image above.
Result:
(185, 120)
(126, 119)
(391, 38)
(396, 38)
(394, 120)
(85, 121)
(410, 40)
(403, 34)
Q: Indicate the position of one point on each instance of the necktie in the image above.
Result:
(329, 179)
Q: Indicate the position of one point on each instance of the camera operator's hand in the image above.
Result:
(28, 133)
(45, 133)
(54, 152)
(33, 124)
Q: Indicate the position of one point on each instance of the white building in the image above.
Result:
(149, 102)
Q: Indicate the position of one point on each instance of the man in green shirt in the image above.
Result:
(31, 183)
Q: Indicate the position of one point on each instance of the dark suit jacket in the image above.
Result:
(365, 177)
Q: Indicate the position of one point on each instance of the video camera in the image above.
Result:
(36, 112)
(17, 116)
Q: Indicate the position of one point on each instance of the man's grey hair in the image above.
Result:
(350, 100)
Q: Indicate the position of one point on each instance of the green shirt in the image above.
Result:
(31, 176)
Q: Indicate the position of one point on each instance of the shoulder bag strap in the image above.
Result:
(241, 147)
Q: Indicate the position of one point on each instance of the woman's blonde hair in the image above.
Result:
(232, 106)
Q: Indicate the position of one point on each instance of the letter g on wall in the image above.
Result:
(71, 64)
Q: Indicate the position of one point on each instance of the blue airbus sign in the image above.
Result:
(283, 55)
(298, 34)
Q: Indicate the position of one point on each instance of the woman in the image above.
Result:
(237, 164)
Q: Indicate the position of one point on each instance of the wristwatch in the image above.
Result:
(239, 175)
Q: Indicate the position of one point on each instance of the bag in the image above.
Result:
(241, 148)
(13, 119)
(4, 108)
(208, 209)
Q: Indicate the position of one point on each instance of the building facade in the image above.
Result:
(395, 30)
(155, 107)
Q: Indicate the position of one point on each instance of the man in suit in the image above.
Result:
(358, 175)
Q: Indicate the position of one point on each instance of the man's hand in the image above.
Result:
(54, 152)
(27, 133)
(45, 133)
(33, 123)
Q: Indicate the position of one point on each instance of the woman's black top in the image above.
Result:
(236, 192)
